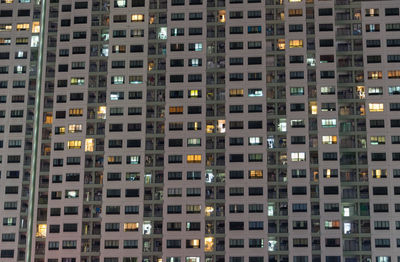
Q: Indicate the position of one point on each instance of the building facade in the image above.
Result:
(200, 130)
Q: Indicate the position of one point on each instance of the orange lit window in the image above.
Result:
(131, 227)
(329, 140)
(281, 44)
(22, 27)
(375, 75)
(193, 158)
(394, 74)
(295, 12)
(174, 110)
(89, 145)
(35, 27)
(236, 92)
(255, 174)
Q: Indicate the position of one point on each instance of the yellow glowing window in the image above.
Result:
(208, 244)
(210, 129)
(378, 140)
(255, 174)
(8, 1)
(295, 1)
(22, 27)
(281, 44)
(102, 112)
(35, 27)
(137, 18)
(5, 27)
(236, 92)
(74, 144)
(375, 107)
(193, 158)
(375, 75)
(61, 130)
(379, 173)
(75, 128)
(176, 110)
(41, 230)
(76, 112)
(194, 93)
(209, 210)
(329, 140)
(295, 12)
(296, 43)
(313, 108)
(89, 145)
(131, 227)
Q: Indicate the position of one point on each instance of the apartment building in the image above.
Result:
(200, 130)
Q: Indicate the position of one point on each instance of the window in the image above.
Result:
(298, 156)
(295, 43)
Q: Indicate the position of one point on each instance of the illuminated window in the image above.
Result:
(137, 18)
(313, 108)
(102, 112)
(271, 209)
(255, 92)
(395, 74)
(298, 156)
(221, 16)
(89, 145)
(133, 160)
(394, 90)
(371, 12)
(71, 193)
(74, 144)
(76, 112)
(375, 75)
(59, 130)
(120, 3)
(117, 80)
(5, 27)
(295, 12)
(131, 227)
(378, 140)
(296, 43)
(192, 259)
(255, 140)
(209, 210)
(327, 90)
(194, 93)
(281, 44)
(208, 244)
(5, 41)
(77, 81)
(35, 27)
(329, 140)
(193, 159)
(332, 224)
(74, 128)
(236, 92)
(375, 107)
(255, 174)
(193, 209)
(136, 79)
(328, 122)
(41, 230)
(375, 91)
(193, 243)
(329, 173)
(22, 27)
(175, 110)
(379, 173)
(297, 91)
(194, 142)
